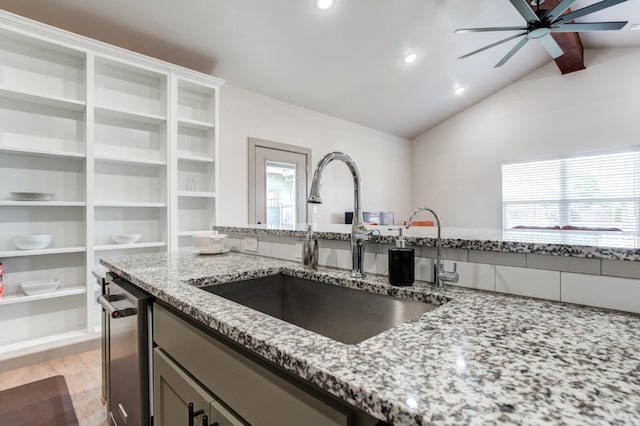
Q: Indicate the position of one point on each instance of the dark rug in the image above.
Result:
(45, 402)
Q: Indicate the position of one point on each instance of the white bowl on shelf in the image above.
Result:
(32, 288)
(32, 241)
(33, 196)
(126, 238)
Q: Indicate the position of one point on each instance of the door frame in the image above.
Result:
(263, 143)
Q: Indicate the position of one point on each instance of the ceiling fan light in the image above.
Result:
(324, 4)
(410, 58)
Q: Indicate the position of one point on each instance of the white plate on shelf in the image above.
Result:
(211, 252)
(32, 288)
(33, 196)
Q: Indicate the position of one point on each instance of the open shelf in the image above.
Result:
(142, 91)
(59, 292)
(118, 182)
(42, 152)
(129, 246)
(195, 158)
(64, 177)
(195, 124)
(39, 99)
(42, 203)
(129, 115)
(122, 160)
(196, 105)
(55, 250)
(197, 194)
(126, 204)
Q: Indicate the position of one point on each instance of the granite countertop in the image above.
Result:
(479, 358)
(609, 245)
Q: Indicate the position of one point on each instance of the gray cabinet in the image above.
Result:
(260, 395)
(174, 390)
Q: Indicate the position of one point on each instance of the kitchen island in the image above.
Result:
(478, 358)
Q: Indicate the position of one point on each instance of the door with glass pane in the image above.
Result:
(278, 183)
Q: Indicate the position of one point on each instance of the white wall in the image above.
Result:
(383, 160)
(456, 166)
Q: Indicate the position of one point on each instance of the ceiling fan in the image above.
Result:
(541, 23)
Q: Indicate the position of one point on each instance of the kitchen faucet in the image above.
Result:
(360, 235)
(440, 276)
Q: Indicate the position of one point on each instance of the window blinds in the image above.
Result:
(591, 191)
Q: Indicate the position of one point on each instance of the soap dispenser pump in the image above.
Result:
(401, 262)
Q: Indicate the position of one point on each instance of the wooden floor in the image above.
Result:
(82, 372)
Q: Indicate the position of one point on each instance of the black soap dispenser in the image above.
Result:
(401, 262)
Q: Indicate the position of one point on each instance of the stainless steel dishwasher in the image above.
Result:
(128, 352)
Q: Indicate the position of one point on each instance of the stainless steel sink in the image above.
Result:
(344, 314)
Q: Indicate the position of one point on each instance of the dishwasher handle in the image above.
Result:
(114, 312)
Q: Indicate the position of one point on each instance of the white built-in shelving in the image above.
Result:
(127, 144)
(197, 152)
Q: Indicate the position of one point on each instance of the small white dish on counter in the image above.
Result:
(33, 196)
(212, 243)
(33, 288)
(224, 250)
(32, 241)
(126, 238)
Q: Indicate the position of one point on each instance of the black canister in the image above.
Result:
(401, 263)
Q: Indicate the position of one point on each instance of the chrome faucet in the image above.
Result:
(360, 235)
(440, 275)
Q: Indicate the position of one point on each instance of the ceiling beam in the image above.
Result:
(573, 58)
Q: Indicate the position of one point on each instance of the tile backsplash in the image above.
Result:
(592, 282)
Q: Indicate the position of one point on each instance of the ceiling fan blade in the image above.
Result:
(559, 9)
(522, 6)
(588, 26)
(478, 30)
(587, 10)
(512, 52)
(552, 46)
(492, 45)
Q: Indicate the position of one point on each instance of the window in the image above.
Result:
(600, 190)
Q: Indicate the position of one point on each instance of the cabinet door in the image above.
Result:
(173, 390)
(260, 396)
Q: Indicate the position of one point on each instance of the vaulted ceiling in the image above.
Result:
(346, 62)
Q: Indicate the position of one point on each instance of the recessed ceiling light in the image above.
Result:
(634, 27)
(459, 90)
(411, 57)
(324, 4)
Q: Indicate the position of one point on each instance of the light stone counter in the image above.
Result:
(479, 358)
(586, 244)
